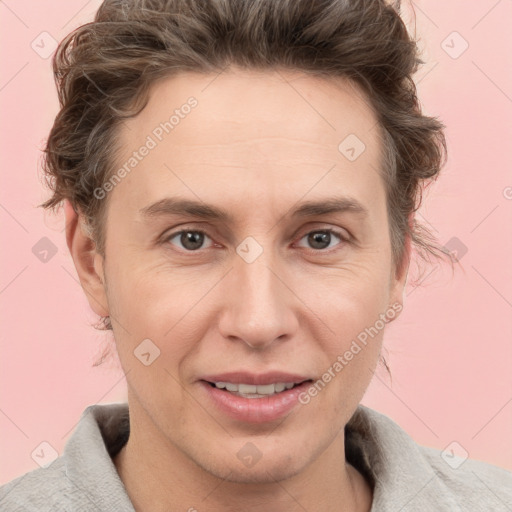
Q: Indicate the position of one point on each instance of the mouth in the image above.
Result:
(245, 390)
(253, 398)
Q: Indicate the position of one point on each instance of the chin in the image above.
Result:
(263, 472)
(247, 460)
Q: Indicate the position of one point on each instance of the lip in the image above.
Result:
(254, 410)
(260, 379)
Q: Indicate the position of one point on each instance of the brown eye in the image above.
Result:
(321, 239)
(190, 240)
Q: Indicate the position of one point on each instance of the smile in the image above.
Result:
(254, 391)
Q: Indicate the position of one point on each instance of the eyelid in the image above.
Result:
(345, 239)
(166, 237)
(342, 233)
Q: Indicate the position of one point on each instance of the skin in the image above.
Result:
(257, 144)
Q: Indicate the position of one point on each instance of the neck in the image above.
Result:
(158, 476)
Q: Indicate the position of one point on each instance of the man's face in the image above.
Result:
(265, 289)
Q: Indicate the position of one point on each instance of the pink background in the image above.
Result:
(450, 353)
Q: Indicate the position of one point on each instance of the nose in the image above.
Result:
(259, 304)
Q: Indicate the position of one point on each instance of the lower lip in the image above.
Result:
(254, 410)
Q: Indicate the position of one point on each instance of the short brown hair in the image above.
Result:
(104, 69)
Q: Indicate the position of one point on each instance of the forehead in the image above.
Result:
(274, 131)
(262, 104)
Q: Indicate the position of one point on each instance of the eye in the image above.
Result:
(193, 239)
(190, 240)
(320, 239)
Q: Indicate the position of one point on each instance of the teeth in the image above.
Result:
(252, 391)
(268, 389)
(247, 388)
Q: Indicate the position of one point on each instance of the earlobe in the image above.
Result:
(88, 263)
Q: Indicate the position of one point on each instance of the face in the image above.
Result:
(275, 275)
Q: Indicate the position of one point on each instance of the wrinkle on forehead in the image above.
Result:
(281, 138)
(245, 105)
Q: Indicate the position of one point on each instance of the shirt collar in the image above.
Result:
(402, 476)
(390, 459)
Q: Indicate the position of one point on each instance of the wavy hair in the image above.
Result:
(104, 70)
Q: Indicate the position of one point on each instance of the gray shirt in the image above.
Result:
(405, 476)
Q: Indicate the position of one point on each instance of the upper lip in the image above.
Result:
(242, 377)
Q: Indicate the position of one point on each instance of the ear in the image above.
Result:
(88, 263)
(399, 276)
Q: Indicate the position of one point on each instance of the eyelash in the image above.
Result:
(344, 238)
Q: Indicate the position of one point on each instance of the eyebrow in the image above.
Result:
(178, 206)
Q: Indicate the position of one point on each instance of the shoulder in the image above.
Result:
(471, 482)
(412, 477)
(84, 477)
(42, 489)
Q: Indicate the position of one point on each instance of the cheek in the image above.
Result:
(151, 304)
(352, 299)
(145, 298)
(350, 355)
(352, 306)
